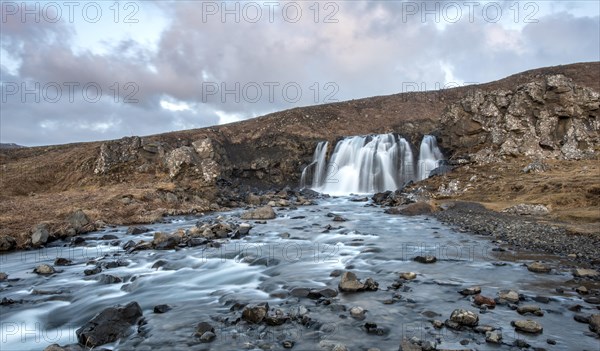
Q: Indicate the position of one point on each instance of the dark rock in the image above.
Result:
(109, 237)
(109, 325)
(162, 308)
(471, 291)
(425, 259)
(109, 279)
(255, 314)
(61, 261)
(7, 243)
(480, 300)
(137, 230)
(204, 327)
(92, 271)
(339, 219)
(3, 276)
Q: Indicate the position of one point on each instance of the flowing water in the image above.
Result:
(369, 164)
(294, 250)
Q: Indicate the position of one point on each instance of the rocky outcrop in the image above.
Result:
(205, 160)
(109, 325)
(550, 118)
(117, 152)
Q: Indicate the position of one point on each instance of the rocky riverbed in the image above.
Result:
(338, 275)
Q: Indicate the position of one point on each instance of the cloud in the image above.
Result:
(200, 70)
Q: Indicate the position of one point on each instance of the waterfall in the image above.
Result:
(429, 156)
(369, 164)
(316, 169)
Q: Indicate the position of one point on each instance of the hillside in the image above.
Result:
(137, 180)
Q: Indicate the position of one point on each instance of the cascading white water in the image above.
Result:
(429, 156)
(316, 169)
(368, 164)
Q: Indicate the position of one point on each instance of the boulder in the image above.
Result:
(256, 313)
(585, 273)
(265, 212)
(44, 269)
(527, 326)
(40, 234)
(464, 317)
(109, 325)
(538, 267)
(80, 222)
(7, 243)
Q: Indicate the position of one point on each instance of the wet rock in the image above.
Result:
(319, 293)
(594, 300)
(287, 344)
(471, 291)
(300, 292)
(372, 328)
(164, 241)
(581, 318)
(582, 290)
(40, 234)
(493, 337)
(464, 317)
(92, 271)
(137, 230)
(535, 310)
(339, 219)
(255, 314)
(437, 324)
(538, 267)
(585, 273)
(205, 331)
(3, 276)
(509, 295)
(109, 325)
(109, 237)
(357, 313)
(527, 326)
(265, 212)
(595, 323)
(481, 300)
(350, 283)
(425, 259)
(408, 275)
(7, 243)
(244, 228)
(109, 279)
(162, 308)
(61, 261)
(44, 269)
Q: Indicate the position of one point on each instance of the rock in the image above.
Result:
(538, 166)
(265, 212)
(425, 259)
(408, 275)
(595, 323)
(137, 230)
(7, 243)
(527, 210)
(255, 314)
(164, 241)
(204, 327)
(350, 283)
(464, 317)
(585, 273)
(287, 344)
(116, 152)
(339, 219)
(339, 347)
(61, 261)
(92, 271)
(527, 326)
(414, 209)
(509, 295)
(3, 276)
(582, 290)
(40, 234)
(357, 313)
(44, 269)
(530, 309)
(79, 221)
(471, 291)
(162, 308)
(493, 337)
(208, 337)
(538, 267)
(581, 318)
(109, 325)
(486, 301)
(244, 228)
(498, 123)
(109, 279)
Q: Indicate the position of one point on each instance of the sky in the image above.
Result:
(75, 71)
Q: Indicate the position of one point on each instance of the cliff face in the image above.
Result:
(548, 118)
